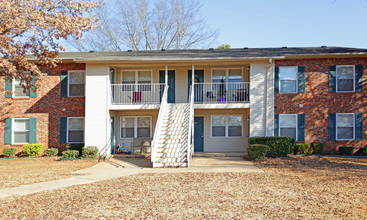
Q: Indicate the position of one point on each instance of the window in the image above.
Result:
(227, 75)
(133, 77)
(345, 126)
(288, 125)
(75, 130)
(226, 126)
(345, 78)
(288, 79)
(76, 80)
(134, 127)
(20, 130)
(19, 90)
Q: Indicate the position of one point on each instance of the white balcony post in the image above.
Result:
(166, 75)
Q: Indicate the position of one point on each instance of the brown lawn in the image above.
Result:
(291, 188)
(16, 172)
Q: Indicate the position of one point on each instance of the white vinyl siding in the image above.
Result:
(75, 130)
(345, 78)
(20, 131)
(345, 126)
(134, 127)
(226, 126)
(76, 83)
(288, 79)
(288, 125)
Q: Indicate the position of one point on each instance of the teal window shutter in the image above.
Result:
(359, 125)
(276, 80)
(7, 139)
(64, 83)
(332, 126)
(301, 127)
(33, 94)
(8, 88)
(276, 125)
(332, 78)
(359, 78)
(301, 79)
(63, 124)
(33, 130)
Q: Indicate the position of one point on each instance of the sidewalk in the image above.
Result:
(115, 168)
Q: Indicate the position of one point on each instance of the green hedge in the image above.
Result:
(70, 154)
(9, 152)
(362, 151)
(31, 150)
(90, 152)
(303, 149)
(78, 147)
(278, 146)
(51, 152)
(257, 151)
(344, 150)
(318, 148)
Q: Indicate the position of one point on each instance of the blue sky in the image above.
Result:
(276, 23)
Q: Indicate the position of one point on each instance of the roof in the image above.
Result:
(211, 54)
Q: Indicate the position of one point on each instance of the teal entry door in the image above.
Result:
(198, 90)
(171, 84)
(199, 134)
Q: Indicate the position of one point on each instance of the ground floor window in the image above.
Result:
(75, 130)
(345, 124)
(226, 125)
(20, 130)
(135, 127)
(288, 125)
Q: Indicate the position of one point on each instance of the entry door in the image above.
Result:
(171, 84)
(112, 134)
(199, 134)
(198, 90)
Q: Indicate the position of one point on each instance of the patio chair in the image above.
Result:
(136, 97)
(138, 145)
(147, 144)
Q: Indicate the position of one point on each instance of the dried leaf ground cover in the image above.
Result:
(16, 172)
(292, 188)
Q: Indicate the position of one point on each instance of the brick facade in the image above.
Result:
(47, 108)
(318, 102)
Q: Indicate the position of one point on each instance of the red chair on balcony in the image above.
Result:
(136, 97)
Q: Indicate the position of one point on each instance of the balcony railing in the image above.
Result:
(135, 94)
(221, 93)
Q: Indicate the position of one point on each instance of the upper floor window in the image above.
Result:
(345, 78)
(138, 80)
(20, 131)
(76, 80)
(18, 90)
(288, 79)
(345, 124)
(226, 75)
(288, 125)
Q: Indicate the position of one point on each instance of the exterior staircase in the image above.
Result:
(172, 144)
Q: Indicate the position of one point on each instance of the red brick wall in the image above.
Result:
(47, 108)
(318, 102)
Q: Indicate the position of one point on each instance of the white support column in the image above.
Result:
(193, 75)
(166, 76)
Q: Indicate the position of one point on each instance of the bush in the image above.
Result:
(51, 152)
(70, 154)
(362, 151)
(318, 148)
(257, 151)
(278, 146)
(303, 149)
(90, 152)
(78, 147)
(31, 150)
(10, 152)
(346, 150)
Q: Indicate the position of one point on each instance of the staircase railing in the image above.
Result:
(158, 126)
(190, 140)
(103, 153)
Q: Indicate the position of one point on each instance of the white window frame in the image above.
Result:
(137, 74)
(70, 71)
(12, 130)
(135, 126)
(226, 73)
(280, 115)
(336, 126)
(280, 81)
(354, 78)
(226, 126)
(67, 130)
(13, 89)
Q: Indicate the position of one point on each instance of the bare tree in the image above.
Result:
(149, 25)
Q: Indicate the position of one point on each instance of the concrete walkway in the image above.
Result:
(115, 168)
